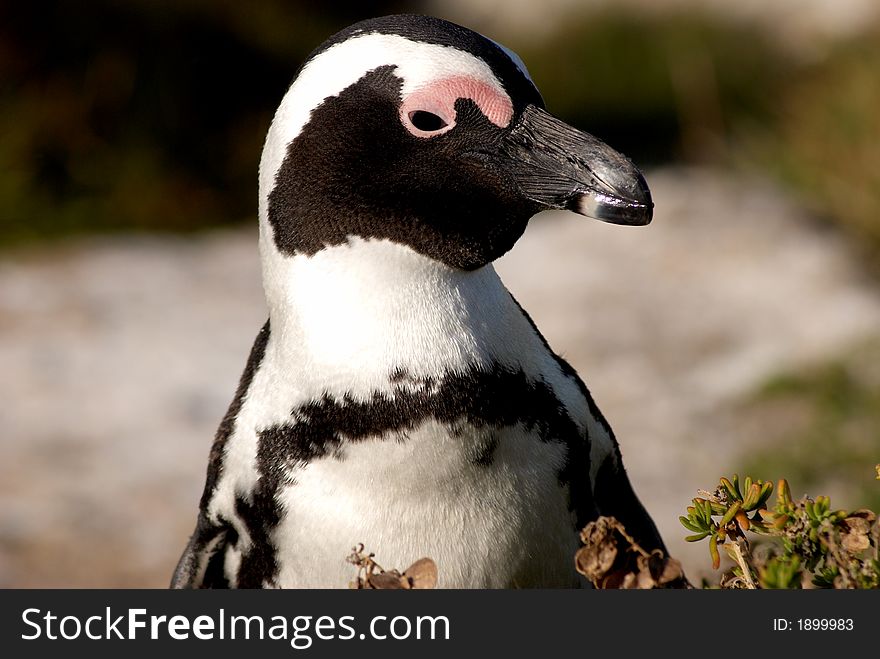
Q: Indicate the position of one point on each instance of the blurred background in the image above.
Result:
(738, 332)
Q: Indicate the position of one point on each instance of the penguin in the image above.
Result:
(398, 395)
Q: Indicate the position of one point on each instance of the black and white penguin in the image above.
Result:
(398, 396)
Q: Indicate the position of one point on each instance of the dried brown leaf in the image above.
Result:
(630, 581)
(597, 556)
(855, 543)
(422, 574)
(861, 520)
(856, 529)
(645, 580)
(657, 570)
(665, 570)
(611, 559)
(387, 581)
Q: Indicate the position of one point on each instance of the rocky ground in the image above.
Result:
(120, 355)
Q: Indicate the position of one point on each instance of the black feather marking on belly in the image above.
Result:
(260, 515)
(492, 398)
(215, 572)
(485, 454)
(495, 398)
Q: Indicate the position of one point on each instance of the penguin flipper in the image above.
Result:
(610, 492)
(614, 496)
(202, 563)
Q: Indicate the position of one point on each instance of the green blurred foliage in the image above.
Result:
(686, 86)
(151, 115)
(659, 86)
(824, 142)
(820, 427)
(807, 543)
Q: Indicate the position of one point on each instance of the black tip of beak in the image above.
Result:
(623, 199)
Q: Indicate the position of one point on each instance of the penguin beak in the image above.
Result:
(558, 166)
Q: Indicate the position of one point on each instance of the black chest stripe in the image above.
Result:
(495, 398)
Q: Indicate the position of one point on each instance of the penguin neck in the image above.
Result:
(369, 310)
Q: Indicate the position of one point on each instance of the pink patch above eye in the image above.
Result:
(439, 98)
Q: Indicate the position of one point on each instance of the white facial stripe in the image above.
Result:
(340, 66)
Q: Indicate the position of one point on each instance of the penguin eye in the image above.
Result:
(427, 121)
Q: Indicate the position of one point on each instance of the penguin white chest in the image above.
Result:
(484, 503)
(450, 432)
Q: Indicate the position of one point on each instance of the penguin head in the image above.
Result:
(419, 131)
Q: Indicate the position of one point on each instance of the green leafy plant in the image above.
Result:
(807, 542)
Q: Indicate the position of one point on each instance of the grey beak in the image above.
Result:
(558, 166)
